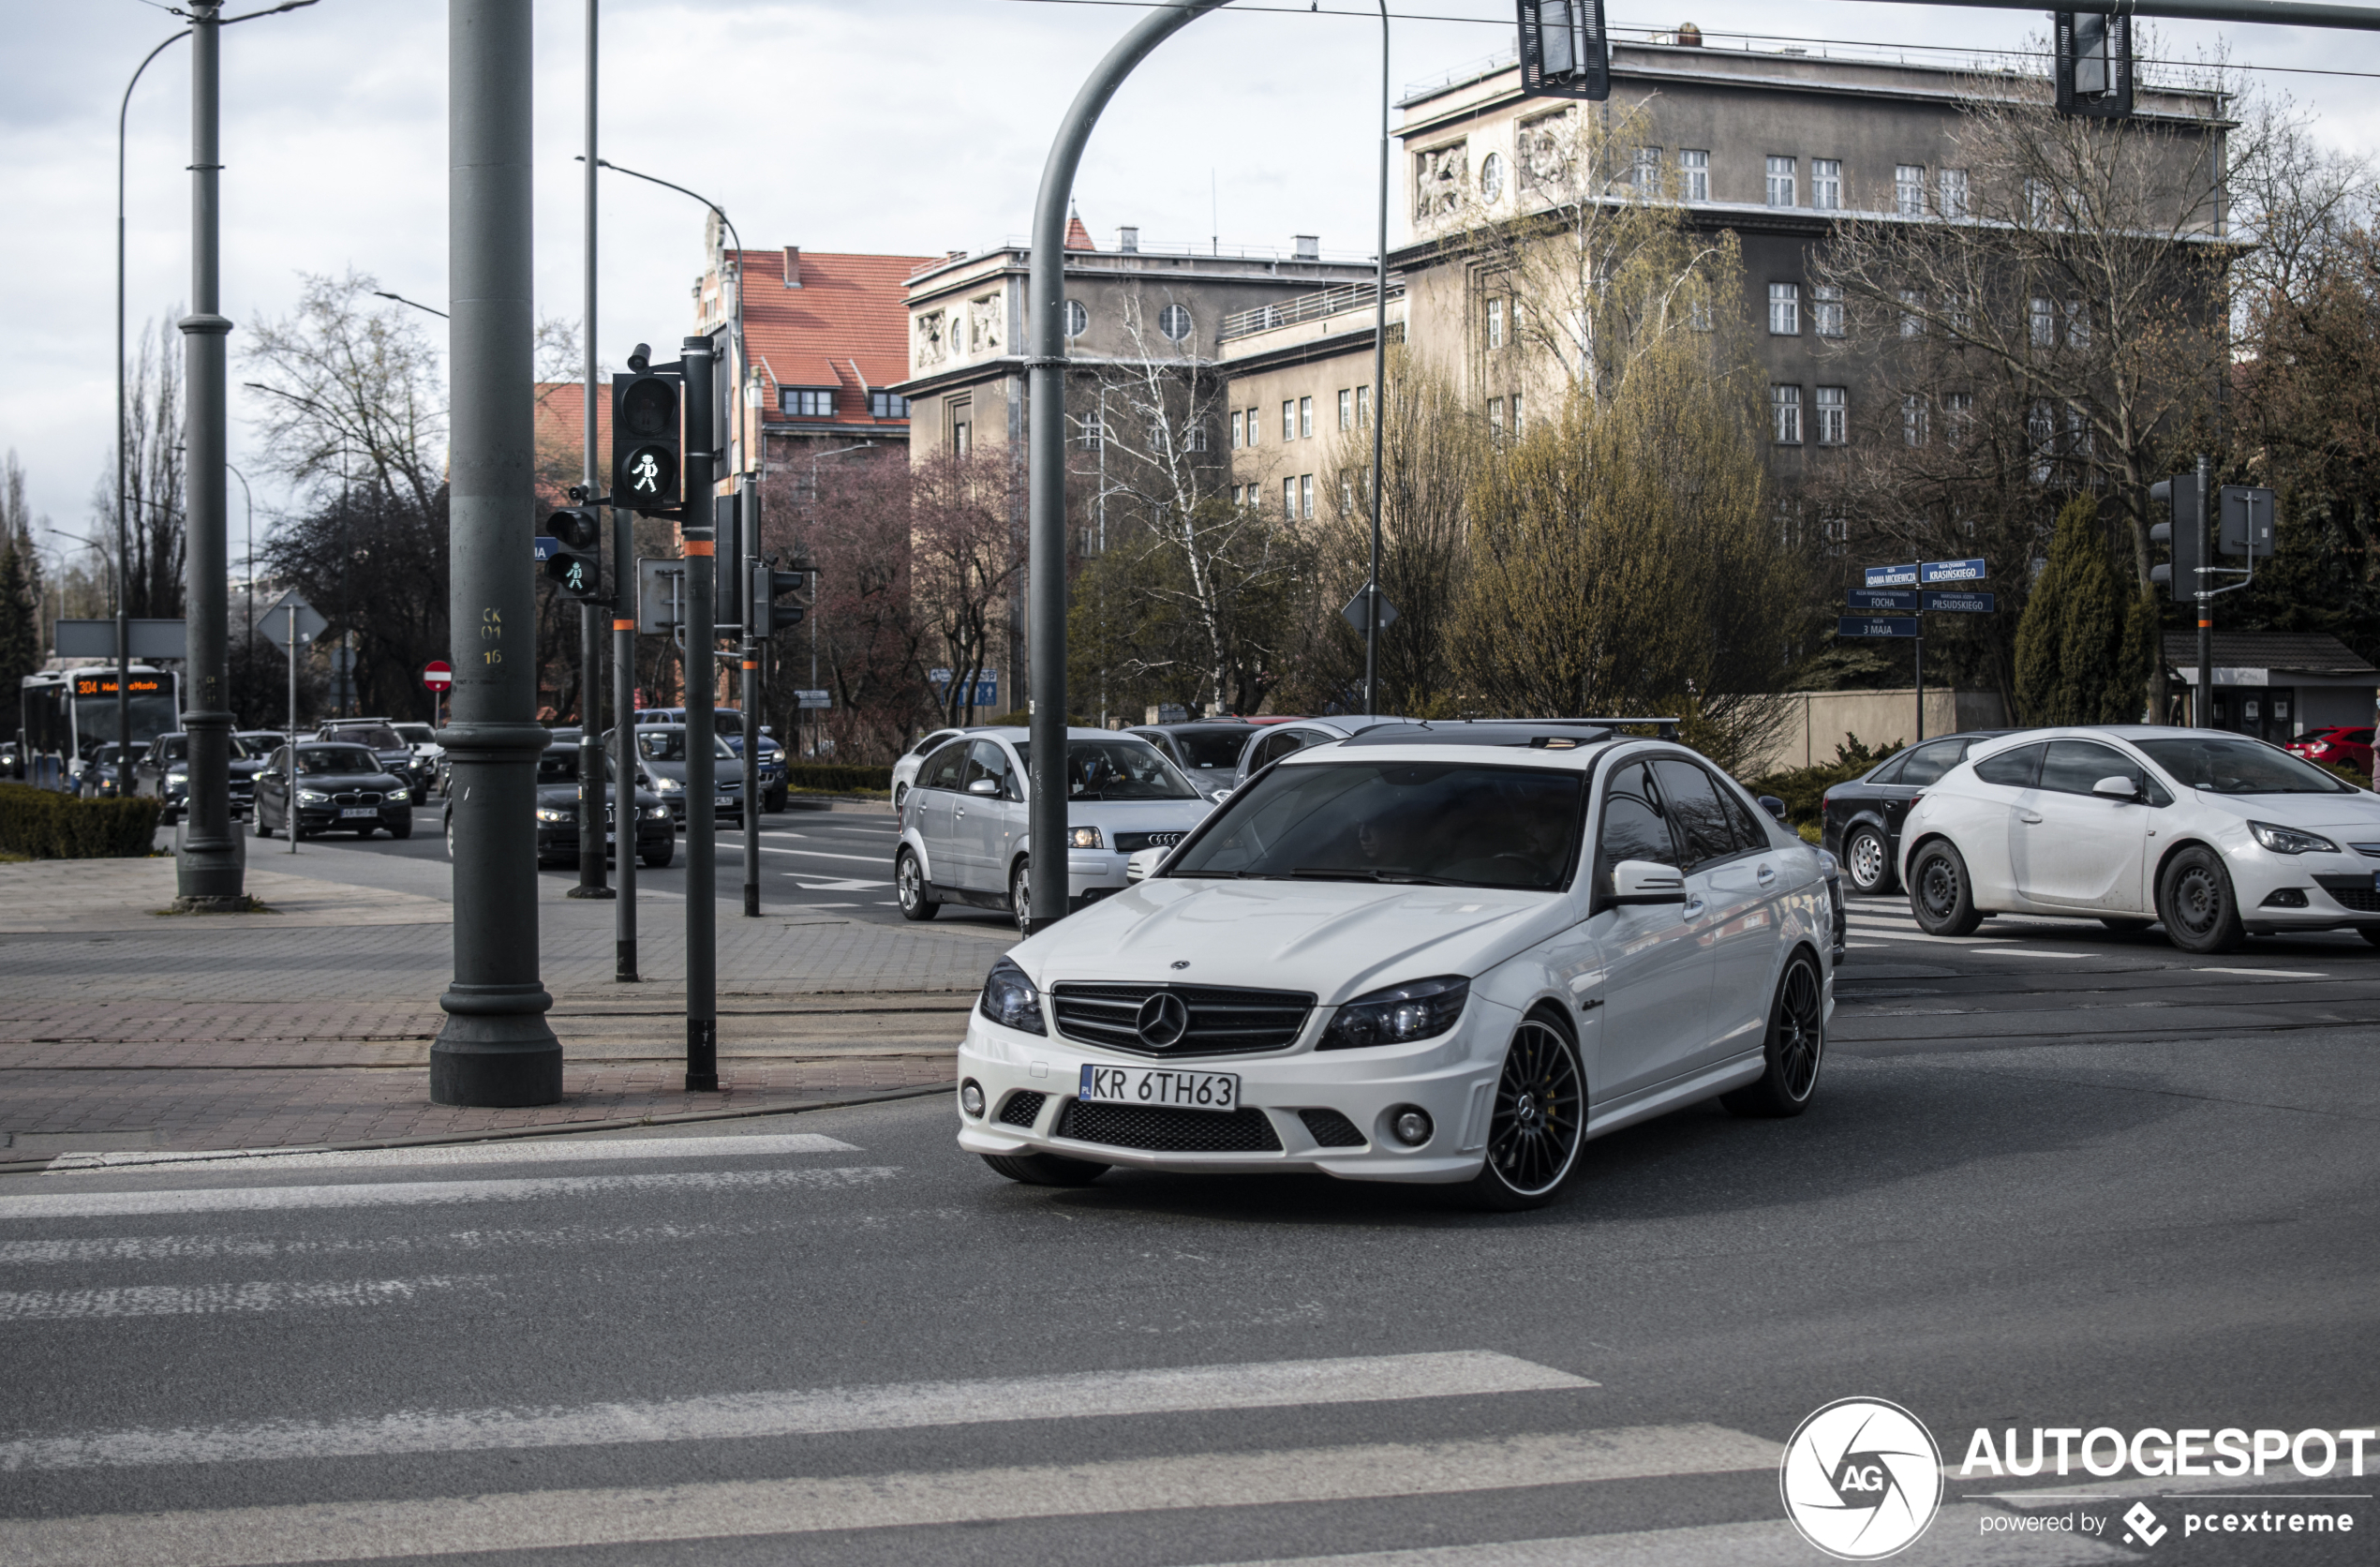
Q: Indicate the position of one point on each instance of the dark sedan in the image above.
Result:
(663, 765)
(396, 753)
(100, 778)
(557, 814)
(1861, 819)
(1206, 750)
(163, 771)
(340, 788)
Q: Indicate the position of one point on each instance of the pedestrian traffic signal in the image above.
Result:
(767, 584)
(575, 564)
(2094, 65)
(1565, 51)
(645, 437)
(2183, 534)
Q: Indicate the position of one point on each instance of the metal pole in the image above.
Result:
(1379, 393)
(2204, 715)
(594, 802)
(124, 433)
(748, 555)
(210, 873)
(1918, 659)
(496, 1048)
(2278, 13)
(289, 801)
(702, 678)
(1047, 452)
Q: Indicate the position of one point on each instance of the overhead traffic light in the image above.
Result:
(767, 584)
(644, 436)
(2183, 534)
(1565, 51)
(2094, 65)
(576, 566)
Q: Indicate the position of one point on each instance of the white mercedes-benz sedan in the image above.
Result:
(2218, 835)
(1436, 953)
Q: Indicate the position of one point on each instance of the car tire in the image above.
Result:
(1940, 895)
(403, 827)
(2125, 926)
(2371, 934)
(910, 885)
(773, 804)
(1021, 894)
(1868, 863)
(2196, 900)
(900, 794)
(1539, 1122)
(262, 830)
(1046, 1170)
(1796, 1048)
(659, 859)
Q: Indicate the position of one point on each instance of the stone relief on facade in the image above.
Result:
(1439, 175)
(983, 325)
(1542, 147)
(931, 346)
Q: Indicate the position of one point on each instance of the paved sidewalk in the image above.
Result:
(123, 1027)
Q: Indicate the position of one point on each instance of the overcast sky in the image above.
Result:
(909, 126)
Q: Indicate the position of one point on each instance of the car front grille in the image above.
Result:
(1161, 1131)
(2352, 893)
(1133, 843)
(1023, 1108)
(1223, 1021)
(356, 796)
(1330, 1128)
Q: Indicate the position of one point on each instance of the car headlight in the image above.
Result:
(1397, 1015)
(656, 812)
(666, 785)
(177, 776)
(1084, 838)
(313, 797)
(1010, 998)
(552, 814)
(2288, 840)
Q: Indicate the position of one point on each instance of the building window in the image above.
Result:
(1833, 416)
(1077, 319)
(1492, 177)
(1694, 167)
(1495, 323)
(1780, 182)
(1495, 420)
(1174, 321)
(1826, 310)
(1785, 405)
(1288, 419)
(1516, 414)
(1909, 189)
(1251, 428)
(1235, 445)
(1958, 418)
(886, 405)
(1647, 173)
(1089, 433)
(1305, 496)
(1347, 408)
(1950, 193)
(1826, 182)
(2077, 324)
(1346, 496)
(2041, 434)
(1363, 408)
(1193, 436)
(1912, 312)
(1784, 309)
(2044, 322)
(962, 436)
(1913, 421)
(2039, 210)
(1289, 497)
(2078, 442)
(1305, 417)
(806, 402)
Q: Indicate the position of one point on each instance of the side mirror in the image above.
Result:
(1636, 882)
(1222, 795)
(1774, 806)
(2116, 787)
(987, 788)
(1143, 864)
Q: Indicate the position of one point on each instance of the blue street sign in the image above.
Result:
(1952, 571)
(1893, 576)
(546, 545)
(1960, 604)
(1879, 599)
(1876, 625)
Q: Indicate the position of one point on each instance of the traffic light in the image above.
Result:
(768, 615)
(645, 437)
(2094, 65)
(576, 566)
(1564, 49)
(2183, 532)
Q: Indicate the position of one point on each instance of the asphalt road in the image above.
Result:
(2055, 1177)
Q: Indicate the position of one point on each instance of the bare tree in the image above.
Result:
(155, 520)
(965, 562)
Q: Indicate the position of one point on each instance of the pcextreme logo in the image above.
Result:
(1861, 1479)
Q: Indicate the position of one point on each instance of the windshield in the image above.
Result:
(2232, 764)
(669, 746)
(559, 764)
(336, 758)
(377, 737)
(1213, 749)
(1121, 769)
(1454, 823)
(414, 734)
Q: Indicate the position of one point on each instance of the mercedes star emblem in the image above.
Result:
(1164, 1019)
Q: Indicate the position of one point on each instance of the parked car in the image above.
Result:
(656, 838)
(728, 725)
(1859, 821)
(965, 829)
(662, 767)
(261, 743)
(101, 776)
(1423, 954)
(162, 771)
(1206, 750)
(904, 773)
(2217, 835)
(2336, 745)
(341, 788)
(395, 752)
(1272, 743)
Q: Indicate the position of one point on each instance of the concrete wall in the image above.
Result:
(1819, 721)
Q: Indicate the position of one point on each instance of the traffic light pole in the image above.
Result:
(746, 555)
(2203, 708)
(620, 816)
(496, 1048)
(702, 678)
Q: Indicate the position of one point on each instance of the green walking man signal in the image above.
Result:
(575, 566)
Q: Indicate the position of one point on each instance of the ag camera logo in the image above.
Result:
(1861, 1479)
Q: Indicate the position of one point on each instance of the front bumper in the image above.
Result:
(560, 840)
(2305, 892)
(331, 818)
(1452, 1077)
(730, 807)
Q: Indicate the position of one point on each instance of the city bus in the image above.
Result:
(69, 713)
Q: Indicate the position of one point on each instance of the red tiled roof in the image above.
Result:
(560, 440)
(1078, 238)
(847, 326)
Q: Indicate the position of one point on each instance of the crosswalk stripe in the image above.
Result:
(203, 1300)
(566, 1149)
(105, 1204)
(447, 1526)
(903, 1406)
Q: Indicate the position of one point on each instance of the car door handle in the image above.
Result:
(1767, 874)
(2027, 817)
(1693, 909)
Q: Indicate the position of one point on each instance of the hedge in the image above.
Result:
(833, 778)
(49, 825)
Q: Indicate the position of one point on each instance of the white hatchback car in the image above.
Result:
(963, 825)
(1434, 954)
(2217, 835)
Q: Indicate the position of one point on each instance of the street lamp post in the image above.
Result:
(1380, 391)
(591, 796)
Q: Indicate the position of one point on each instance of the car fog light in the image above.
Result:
(1411, 1125)
(970, 1099)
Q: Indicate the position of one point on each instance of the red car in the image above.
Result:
(2336, 745)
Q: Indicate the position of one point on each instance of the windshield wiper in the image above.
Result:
(1318, 873)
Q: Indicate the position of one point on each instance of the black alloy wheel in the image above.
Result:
(1794, 1050)
(1021, 894)
(909, 882)
(1940, 894)
(1866, 862)
(1540, 1121)
(2195, 902)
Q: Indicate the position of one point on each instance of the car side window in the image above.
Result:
(2014, 768)
(1891, 771)
(1751, 833)
(1274, 746)
(985, 759)
(1928, 762)
(1694, 808)
(2073, 766)
(942, 769)
(1634, 827)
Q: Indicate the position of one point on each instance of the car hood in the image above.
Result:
(2356, 812)
(330, 783)
(1337, 939)
(557, 796)
(1135, 815)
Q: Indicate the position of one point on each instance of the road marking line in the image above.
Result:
(474, 1153)
(374, 1194)
(821, 854)
(814, 885)
(447, 1526)
(2028, 952)
(2259, 973)
(205, 1300)
(892, 1406)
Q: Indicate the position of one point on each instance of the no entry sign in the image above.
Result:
(437, 674)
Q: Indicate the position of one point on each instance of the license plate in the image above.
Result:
(1158, 1085)
(726, 801)
(361, 811)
